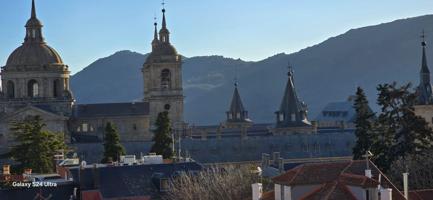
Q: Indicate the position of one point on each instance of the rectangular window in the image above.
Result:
(281, 117)
(238, 115)
(293, 117)
(85, 127)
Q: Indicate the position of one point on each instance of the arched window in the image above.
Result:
(10, 89)
(56, 87)
(33, 88)
(165, 78)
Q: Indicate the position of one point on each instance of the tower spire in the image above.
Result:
(424, 67)
(164, 33)
(164, 25)
(155, 34)
(424, 90)
(292, 112)
(34, 28)
(237, 112)
(33, 16)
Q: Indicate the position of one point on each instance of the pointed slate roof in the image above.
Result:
(424, 90)
(236, 105)
(291, 107)
(237, 112)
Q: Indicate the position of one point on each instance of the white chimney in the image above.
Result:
(257, 191)
(277, 192)
(386, 194)
(405, 185)
(368, 173)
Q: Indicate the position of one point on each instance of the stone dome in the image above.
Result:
(34, 54)
(161, 50)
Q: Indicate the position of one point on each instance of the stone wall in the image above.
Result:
(236, 149)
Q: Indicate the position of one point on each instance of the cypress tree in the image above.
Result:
(35, 147)
(162, 138)
(113, 149)
(364, 125)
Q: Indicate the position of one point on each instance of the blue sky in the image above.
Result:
(85, 30)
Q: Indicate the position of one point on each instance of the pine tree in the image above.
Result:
(364, 121)
(402, 133)
(113, 149)
(35, 147)
(162, 139)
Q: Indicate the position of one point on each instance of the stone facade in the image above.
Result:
(131, 120)
(426, 112)
(35, 81)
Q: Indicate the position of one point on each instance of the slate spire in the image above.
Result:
(164, 34)
(424, 90)
(237, 112)
(292, 111)
(155, 40)
(33, 15)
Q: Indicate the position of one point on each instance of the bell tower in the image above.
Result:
(162, 73)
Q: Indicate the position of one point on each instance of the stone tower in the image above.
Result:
(292, 115)
(162, 72)
(35, 75)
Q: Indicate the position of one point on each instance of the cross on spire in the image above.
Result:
(290, 68)
(423, 38)
(163, 4)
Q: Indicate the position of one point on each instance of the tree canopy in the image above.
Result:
(35, 147)
(113, 149)
(162, 138)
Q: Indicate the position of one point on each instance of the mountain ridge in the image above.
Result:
(325, 72)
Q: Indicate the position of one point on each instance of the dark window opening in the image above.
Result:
(165, 79)
(56, 86)
(10, 89)
(33, 88)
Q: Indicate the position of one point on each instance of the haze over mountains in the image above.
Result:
(329, 71)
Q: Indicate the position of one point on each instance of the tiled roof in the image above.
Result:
(421, 194)
(110, 109)
(268, 195)
(331, 190)
(338, 173)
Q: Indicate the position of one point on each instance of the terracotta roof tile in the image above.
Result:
(421, 194)
(339, 173)
(268, 195)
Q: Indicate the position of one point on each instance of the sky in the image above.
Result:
(83, 31)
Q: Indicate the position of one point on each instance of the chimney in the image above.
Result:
(27, 171)
(95, 177)
(386, 194)
(6, 170)
(275, 157)
(281, 165)
(405, 185)
(265, 160)
(368, 173)
(257, 191)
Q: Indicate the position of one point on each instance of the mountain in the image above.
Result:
(329, 71)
